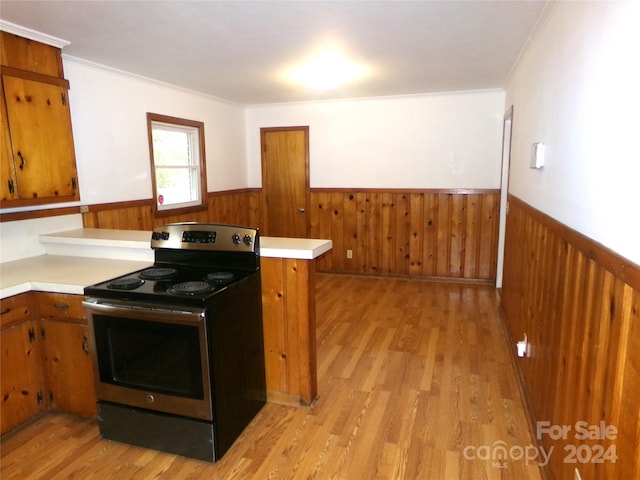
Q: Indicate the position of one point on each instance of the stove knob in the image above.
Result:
(235, 238)
(164, 235)
(247, 240)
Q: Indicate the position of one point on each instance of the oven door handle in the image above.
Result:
(158, 313)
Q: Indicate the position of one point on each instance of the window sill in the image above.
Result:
(179, 211)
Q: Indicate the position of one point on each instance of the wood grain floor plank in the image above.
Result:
(410, 374)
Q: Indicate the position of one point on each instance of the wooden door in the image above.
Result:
(285, 181)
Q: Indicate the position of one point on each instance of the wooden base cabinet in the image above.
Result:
(68, 367)
(289, 322)
(67, 360)
(45, 359)
(21, 374)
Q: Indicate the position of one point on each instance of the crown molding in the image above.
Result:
(32, 34)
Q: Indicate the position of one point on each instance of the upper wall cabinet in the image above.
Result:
(37, 153)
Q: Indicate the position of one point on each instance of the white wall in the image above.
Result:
(427, 141)
(433, 141)
(577, 89)
(108, 113)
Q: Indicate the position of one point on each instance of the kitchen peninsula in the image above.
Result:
(78, 258)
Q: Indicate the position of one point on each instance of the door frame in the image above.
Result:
(507, 135)
(263, 132)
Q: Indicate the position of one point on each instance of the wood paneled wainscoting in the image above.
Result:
(579, 304)
(421, 233)
(239, 207)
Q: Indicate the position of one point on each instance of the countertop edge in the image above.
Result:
(135, 244)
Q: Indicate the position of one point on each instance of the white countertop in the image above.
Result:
(123, 244)
(77, 258)
(60, 274)
(100, 243)
(102, 237)
(303, 248)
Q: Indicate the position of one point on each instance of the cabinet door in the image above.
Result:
(43, 153)
(68, 367)
(22, 381)
(7, 169)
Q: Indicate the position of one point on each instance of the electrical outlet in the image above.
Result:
(576, 475)
(349, 253)
(523, 347)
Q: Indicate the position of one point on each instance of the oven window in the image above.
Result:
(151, 356)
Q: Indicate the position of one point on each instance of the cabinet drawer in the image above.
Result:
(16, 309)
(60, 305)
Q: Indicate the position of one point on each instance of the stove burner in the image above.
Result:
(126, 283)
(190, 288)
(220, 277)
(158, 273)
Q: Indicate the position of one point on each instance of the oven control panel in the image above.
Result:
(197, 236)
(205, 236)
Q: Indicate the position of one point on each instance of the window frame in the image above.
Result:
(178, 123)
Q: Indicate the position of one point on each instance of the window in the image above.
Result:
(177, 163)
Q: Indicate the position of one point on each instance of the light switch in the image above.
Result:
(538, 153)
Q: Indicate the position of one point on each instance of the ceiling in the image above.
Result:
(238, 50)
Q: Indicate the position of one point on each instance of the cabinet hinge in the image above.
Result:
(39, 398)
(50, 396)
(43, 333)
(11, 187)
(64, 99)
(74, 184)
(32, 335)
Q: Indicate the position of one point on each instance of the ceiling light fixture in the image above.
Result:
(326, 71)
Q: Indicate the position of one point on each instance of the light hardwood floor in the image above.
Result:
(414, 379)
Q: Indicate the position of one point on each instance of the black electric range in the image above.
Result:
(178, 348)
(192, 263)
